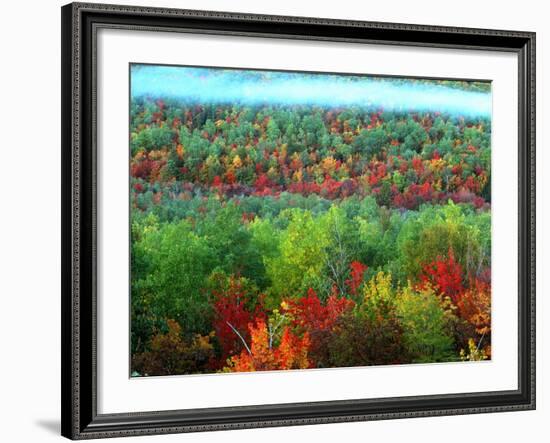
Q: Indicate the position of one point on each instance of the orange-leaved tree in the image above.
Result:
(474, 306)
(261, 355)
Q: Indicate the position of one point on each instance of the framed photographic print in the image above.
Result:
(274, 221)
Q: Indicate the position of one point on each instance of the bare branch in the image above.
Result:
(240, 336)
(480, 340)
(273, 330)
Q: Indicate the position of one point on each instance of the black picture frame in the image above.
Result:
(80, 419)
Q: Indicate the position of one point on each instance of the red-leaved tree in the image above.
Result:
(234, 310)
(308, 315)
(444, 274)
(357, 271)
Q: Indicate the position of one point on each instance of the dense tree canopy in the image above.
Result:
(291, 237)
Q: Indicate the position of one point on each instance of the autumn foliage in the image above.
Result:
(357, 272)
(261, 355)
(474, 305)
(309, 313)
(170, 354)
(277, 237)
(445, 275)
(233, 313)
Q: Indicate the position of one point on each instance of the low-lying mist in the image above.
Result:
(214, 85)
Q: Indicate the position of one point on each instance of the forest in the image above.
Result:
(274, 236)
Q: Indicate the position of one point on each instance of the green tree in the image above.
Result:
(179, 263)
(301, 258)
(426, 329)
(433, 231)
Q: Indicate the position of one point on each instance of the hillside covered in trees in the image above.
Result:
(269, 235)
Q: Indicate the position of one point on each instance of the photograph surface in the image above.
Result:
(297, 220)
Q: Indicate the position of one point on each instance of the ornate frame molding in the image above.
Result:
(79, 392)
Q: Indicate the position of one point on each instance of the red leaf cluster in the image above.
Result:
(309, 313)
(233, 311)
(357, 271)
(445, 275)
